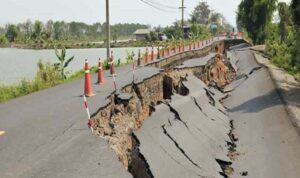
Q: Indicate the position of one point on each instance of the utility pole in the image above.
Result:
(182, 16)
(107, 31)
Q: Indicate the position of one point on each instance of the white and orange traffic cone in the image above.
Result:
(100, 73)
(88, 91)
(152, 53)
(147, 56)
(139, 58)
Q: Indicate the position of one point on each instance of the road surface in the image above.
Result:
(46, 132)
(269, 145)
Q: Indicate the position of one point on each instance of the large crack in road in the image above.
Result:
(172, 125)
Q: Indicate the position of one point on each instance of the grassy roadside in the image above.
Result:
(46, 77)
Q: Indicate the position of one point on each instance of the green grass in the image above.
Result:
(46, 77)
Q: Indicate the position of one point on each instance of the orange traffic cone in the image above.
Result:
(139, 58)
(152, 54)
(147, 56)
(88, 91)
(112, 66)
(175, 51)
(169, 50)
(100, 73)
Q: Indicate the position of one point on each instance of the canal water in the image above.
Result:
(18, 64)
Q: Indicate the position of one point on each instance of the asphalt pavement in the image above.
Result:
(46, 133)
(268, 144)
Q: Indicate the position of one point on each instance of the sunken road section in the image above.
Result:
(171, 124)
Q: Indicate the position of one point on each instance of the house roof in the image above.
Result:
(141, 32)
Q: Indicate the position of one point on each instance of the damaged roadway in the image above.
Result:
(186, 137)
(45, 138)
(268, 143)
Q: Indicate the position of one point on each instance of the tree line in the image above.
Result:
(39, 32)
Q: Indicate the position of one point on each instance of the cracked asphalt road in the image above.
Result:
(268, 144)
(46, 132)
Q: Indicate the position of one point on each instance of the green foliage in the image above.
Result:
(47, 74)
(295, 10)
(3, 40)
(254, 16)
(173, 31)
(78, 31)
(63, 63)
(200, 31)
(285, 20)
(11, 33)
(129, 57)
(105, 65)
(201, 13)
(37, 30)
(46, 77)
(284, 41)
(152, 37)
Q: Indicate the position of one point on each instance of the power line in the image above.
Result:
(164, 5)
(156, 7)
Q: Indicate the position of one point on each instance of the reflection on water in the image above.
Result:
(16, 64)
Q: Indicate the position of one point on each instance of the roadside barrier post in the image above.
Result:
(114, 82)
(158, 53)
(100, 73)
(152, 53)
(139, 58)
(174, 49)
(147, 56)
(133, 70)
(88, 114)
(88, 91)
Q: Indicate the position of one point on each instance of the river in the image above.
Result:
(18, 64)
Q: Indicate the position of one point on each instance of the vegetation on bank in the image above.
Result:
(48, 75)
(39, 35)
(281, 36)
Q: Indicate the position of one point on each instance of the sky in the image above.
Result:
(121, 11)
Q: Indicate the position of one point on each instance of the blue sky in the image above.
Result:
(91, 11)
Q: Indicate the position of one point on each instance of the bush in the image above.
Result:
(46, 77)
(3, 40)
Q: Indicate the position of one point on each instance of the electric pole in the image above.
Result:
(107, 31)
(182, 16)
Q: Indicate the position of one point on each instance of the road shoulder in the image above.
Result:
(287, 87)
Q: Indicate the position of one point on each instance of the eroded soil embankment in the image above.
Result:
(129, 108)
